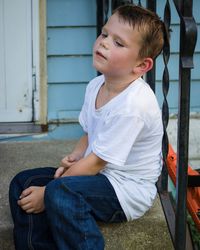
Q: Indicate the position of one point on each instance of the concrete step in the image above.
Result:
(148, 232)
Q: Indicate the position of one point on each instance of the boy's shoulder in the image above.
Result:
(141, 99)
(95, 82)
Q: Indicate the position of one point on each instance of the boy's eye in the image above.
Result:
(104, 35)
(119, 44)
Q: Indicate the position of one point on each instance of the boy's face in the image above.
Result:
(115, 52)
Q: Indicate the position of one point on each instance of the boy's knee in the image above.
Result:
(51, 192)
(59, 198)
(18, 179)
(56, 191)
(17, 184)
(22, 179)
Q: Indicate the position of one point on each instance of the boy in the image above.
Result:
(110, 176)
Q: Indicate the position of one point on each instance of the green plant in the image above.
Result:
(194, 232)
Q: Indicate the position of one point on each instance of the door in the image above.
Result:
(16, 61)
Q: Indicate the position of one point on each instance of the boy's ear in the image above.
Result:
(144, 66)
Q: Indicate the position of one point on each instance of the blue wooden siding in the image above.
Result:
(71, 32)
(174, 62)
(71, 12)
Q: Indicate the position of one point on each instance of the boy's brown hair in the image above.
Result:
(148, 23)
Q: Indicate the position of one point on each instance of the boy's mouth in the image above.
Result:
(98, 53)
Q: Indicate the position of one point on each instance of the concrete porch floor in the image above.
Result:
(148, 232)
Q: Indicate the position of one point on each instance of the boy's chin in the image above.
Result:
(97, 68)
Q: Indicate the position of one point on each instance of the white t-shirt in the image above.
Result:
(127, 133)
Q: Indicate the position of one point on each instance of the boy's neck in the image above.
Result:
(117, 85)
(111, 88)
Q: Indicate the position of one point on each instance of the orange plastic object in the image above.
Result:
(193, 193)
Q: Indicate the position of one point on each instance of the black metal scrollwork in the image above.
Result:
(165, 88)
(188, 37)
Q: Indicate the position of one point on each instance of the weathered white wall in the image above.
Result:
(194, 139)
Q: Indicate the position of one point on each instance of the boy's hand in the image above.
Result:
(32, 200)
(66, 163)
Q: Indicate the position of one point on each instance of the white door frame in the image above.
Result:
(36, 59)
(39, 9)
(23, 107)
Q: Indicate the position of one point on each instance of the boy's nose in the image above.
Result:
(104, 43)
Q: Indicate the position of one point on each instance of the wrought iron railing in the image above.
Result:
(175, 216)
(188, 36)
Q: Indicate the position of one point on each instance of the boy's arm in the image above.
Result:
(89, 165)
(32, 199)
(81, 146)
(72, 158)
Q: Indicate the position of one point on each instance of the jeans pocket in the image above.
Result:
(118, 216)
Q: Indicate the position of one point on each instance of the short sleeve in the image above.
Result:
(84, 110)
(116, 138)
(83, 117)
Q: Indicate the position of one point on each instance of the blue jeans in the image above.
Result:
(72, 207)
